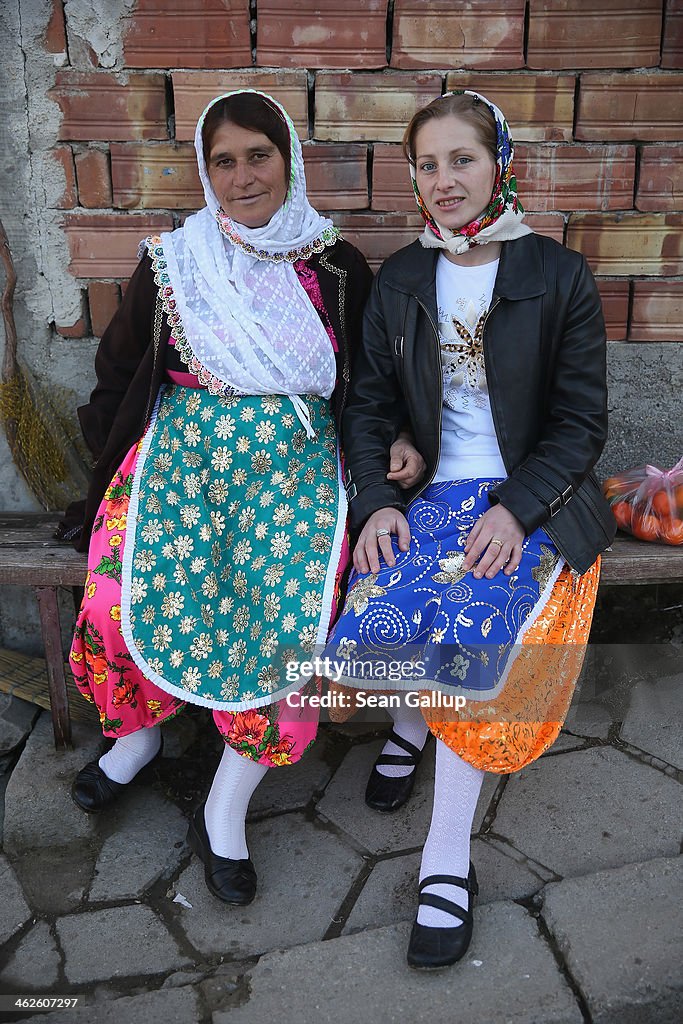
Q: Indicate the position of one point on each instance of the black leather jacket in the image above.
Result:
(544, 353)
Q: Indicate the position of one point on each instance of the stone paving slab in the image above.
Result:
(118, 942)
(508, 975)
(653, 720)
(588, 718)
(172, 1006)
(34, 964)
(621, 934)
(304, 873)
(291, 787)
(146, 841)
(55, 880)
(344, 805)
(16, 721)
(14, 910)
(45, 815)
(593, 809)
(390, 893)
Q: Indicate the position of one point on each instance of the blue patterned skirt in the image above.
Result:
(446, 629)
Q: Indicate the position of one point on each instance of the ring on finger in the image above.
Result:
(495, 540)
(381, 533)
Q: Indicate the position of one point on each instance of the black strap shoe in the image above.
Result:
(431, 948)
(232, 881)
(384, 793)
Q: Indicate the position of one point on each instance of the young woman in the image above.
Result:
(488, 340)
(215, 523)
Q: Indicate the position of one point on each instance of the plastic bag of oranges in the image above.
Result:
(648, 502)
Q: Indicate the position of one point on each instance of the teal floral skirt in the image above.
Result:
(235, 530)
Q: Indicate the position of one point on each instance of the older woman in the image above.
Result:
(215, 523)
(489, 341)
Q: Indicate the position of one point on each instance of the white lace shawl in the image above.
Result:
(240, 317)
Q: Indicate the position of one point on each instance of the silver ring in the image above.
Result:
(381, 533)
(494, 540)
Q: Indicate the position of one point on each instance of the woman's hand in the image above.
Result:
(496, 524)
(366, 553)
(406, 465)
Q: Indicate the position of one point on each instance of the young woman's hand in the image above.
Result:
(406, 465)
(496, 524)
(366, 553)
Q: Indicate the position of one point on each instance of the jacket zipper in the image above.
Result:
(427, 482)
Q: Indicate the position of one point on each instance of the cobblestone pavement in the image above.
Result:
(579, 918)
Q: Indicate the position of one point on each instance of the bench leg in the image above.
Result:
(52, 641)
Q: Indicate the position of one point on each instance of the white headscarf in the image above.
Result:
(240, 317)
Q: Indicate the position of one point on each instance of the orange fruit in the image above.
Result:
(672, 532)
(663, 504)
(621, 510)
(645, 527)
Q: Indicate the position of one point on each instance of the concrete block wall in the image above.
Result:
(98, 101)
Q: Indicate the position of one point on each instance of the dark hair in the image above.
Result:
(251, 111)
(468, 108)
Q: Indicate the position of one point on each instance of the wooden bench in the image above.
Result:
(29, 556)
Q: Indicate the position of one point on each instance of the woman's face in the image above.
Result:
(247, 173)
(454, 170)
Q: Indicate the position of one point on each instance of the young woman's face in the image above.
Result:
(247, 173)
(455, 171)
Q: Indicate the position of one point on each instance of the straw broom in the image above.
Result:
(40, 447)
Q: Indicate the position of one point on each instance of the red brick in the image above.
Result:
(77, 330)
(624, 107)
(68, 198)
(391, 184)
(647, 244)
(615, 297)
(657, 313)
(54, 38)
(594, 34)
(106, 244)
(378, 235)
(94, 179)
(443, 34)
(193, 90)
(391, 179)
(103, 298)
(672, 43)
(365, 106)
(153, 176)
(537, 107)
(321, 34)
(550, 224)
(101, 106)
(336, 176)
(575, 177)
(196, 34)
(660, 184)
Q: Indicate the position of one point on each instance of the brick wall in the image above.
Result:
(592, 91)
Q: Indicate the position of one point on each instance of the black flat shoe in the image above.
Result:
(93, 791)
(233, 881)
(431, 948)
(383, 793)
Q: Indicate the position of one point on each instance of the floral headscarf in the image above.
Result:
(502, 219)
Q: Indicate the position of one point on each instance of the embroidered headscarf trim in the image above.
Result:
(240, 317)
(502, 220)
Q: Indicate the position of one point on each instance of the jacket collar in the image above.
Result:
(520, 271)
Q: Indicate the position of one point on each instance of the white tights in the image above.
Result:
(447, 849)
